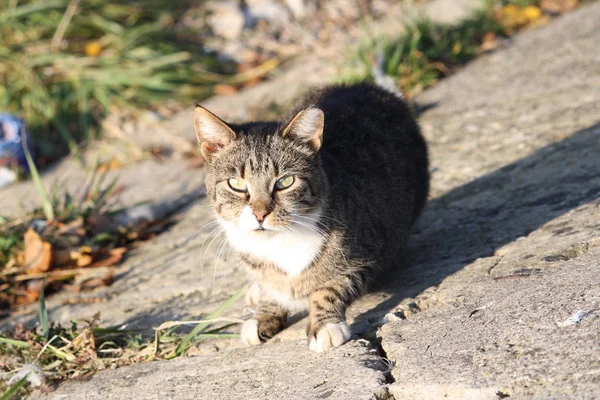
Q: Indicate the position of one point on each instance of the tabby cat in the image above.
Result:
(318, 205)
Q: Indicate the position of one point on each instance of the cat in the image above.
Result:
(318, 206)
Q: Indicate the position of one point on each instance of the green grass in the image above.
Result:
(428, 51)
(64, 64)
(14, 389)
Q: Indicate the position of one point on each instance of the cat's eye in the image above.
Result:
(284, 182)
(238, 184)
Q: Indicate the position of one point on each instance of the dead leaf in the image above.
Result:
(109, 166)
(558, 6)
(72, 228)
(34, 288)
(84, 260)
(120, 251)
(85, 340)
(115, 257)
(160, 151)
(38, 253)
(488, 42)
(88, 249)
(224, 89)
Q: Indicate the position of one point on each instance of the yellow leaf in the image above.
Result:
(532, 13)
(93, 49)
(457, 48)
(512, 16)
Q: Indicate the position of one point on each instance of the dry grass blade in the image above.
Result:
(78, 351)
(172, 324)
(64, 23)
(44, 313)
(62, 274)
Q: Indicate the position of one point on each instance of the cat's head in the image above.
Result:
(264, 178)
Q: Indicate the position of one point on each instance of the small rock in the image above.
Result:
(392, 317)
(268, 10)
(574, 319)
(227, 19)
(300, 8)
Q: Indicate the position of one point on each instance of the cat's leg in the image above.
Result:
(267, 322)
(327, 325)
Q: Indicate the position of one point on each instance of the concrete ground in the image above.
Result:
(500, 295)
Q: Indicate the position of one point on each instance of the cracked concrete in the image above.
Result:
(281, 370)
(503, 261)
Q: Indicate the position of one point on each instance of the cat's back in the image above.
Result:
(373, 151)
(365, 123)
(358, 113)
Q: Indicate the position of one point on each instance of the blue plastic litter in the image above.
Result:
(12, 130)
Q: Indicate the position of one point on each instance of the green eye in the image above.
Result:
(238, 184)
(284, 182)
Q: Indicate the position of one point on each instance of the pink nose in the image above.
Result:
(260, 215)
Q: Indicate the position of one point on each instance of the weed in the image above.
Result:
(81, 351)
(428, 51)
(64, 64)
(78, 232)
(14, 389)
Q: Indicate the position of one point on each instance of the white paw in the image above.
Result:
(250, 332)
(253, 294)
(331, 335)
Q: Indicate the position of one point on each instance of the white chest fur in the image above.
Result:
(291, 252)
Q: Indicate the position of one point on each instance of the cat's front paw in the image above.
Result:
(249, 333)
(260, 329)
(332, 334)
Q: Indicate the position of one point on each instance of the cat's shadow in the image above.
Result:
(473, 220)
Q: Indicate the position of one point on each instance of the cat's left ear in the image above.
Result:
(212, 132)
(307, 126)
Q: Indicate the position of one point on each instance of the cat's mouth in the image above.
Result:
(263, 232)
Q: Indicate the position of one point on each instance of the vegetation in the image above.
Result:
(65, 63)
(428, 51)
(54, 353)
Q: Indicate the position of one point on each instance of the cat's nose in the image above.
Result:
(260, 215)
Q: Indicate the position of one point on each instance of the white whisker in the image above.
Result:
(218, 234)
(217, 258)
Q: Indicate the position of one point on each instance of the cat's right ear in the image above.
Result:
(212, 132)
(307, 126)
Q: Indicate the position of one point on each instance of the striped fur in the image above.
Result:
(360, 181)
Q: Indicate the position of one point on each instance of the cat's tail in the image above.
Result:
(383, 80)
